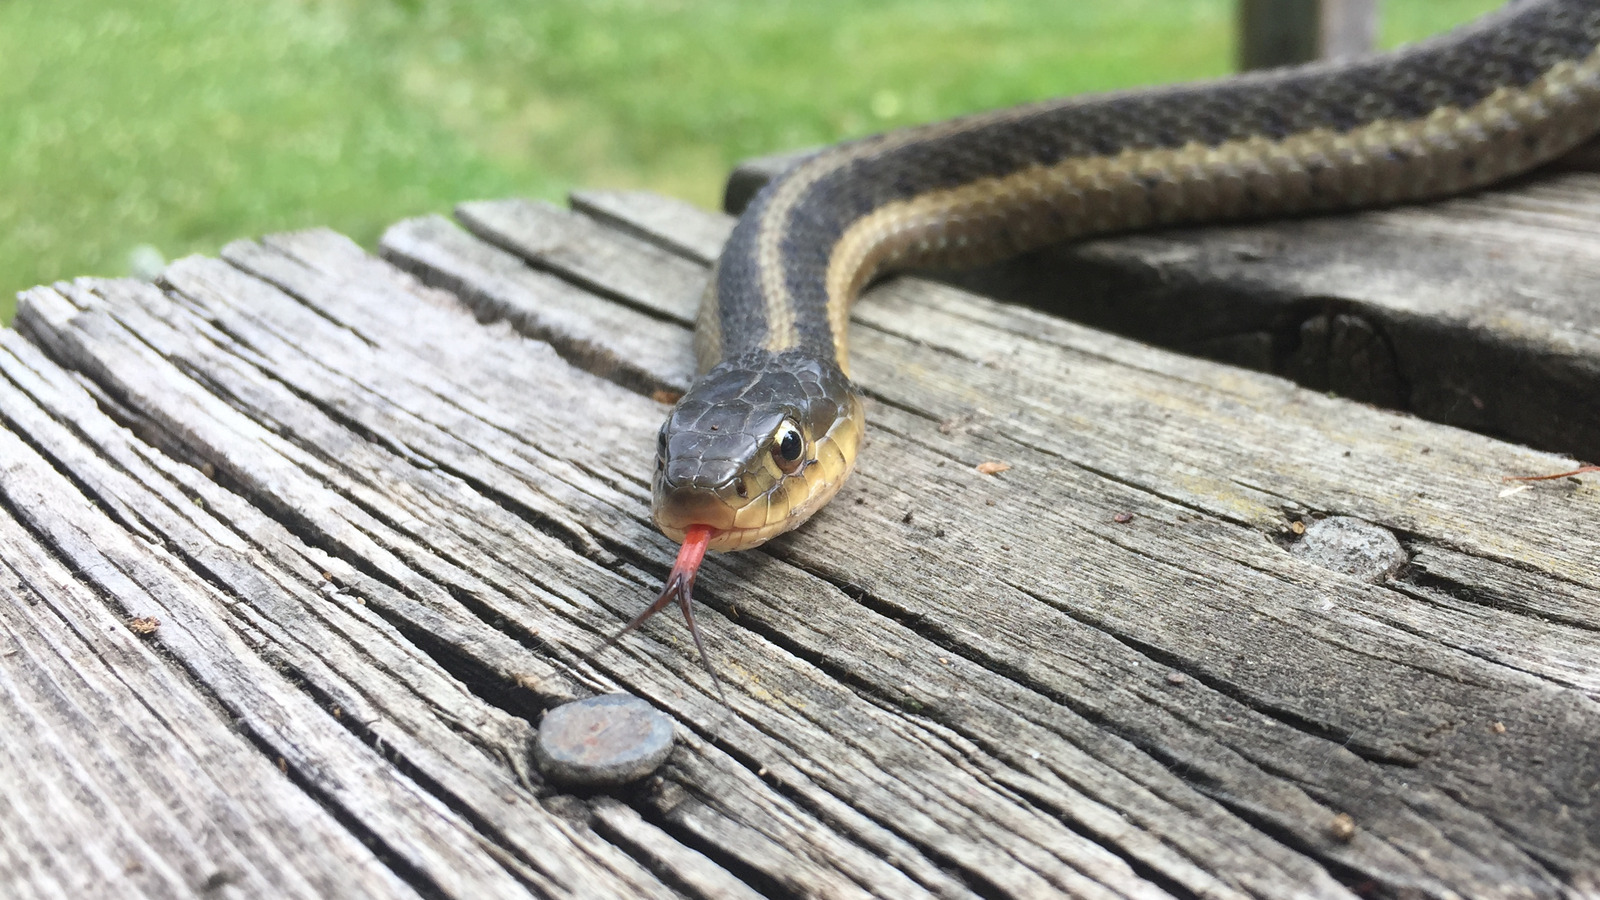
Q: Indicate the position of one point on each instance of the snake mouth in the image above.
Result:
(783, 509)
(725, 540)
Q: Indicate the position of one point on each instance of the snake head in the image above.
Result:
(761, 441)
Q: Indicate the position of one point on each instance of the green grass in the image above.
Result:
(183, 124)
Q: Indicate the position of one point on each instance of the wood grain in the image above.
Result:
(386, 509)
(1059, 399)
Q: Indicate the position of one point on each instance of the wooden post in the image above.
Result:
(1349, 28)
(1286, 32)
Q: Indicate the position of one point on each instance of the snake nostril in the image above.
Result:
(740, 489)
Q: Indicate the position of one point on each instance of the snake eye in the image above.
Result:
(788, 446)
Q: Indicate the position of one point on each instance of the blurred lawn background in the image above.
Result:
(183, 124)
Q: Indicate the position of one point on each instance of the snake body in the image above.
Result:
(770, 429)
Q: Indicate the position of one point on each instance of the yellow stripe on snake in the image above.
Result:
(770, 429)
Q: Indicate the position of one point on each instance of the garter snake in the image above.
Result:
(769, 431)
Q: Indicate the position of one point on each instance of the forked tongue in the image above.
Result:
(680, 587)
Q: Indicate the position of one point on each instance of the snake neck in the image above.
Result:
(1449, 115)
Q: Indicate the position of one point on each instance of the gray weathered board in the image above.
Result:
(383, 511)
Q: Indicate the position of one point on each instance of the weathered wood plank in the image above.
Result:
(122, 779)
(390, 427)
(1429, 497)
(305, 738)
(706, 801)
(382, 689)
(383, 536)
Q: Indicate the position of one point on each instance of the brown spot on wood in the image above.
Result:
(993, 468)
(953, 423)
(143, 625)
(1498, 728)
(1342, 828)
(1122, 518)
(665, 396)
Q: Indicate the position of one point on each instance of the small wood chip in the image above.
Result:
(1342, 828)
(1122, 518)
(1297, 527)
(1498, 728)
(144, 624)
(1177, 678)
(993, 468)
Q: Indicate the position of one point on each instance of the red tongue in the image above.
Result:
(691, 553)
(680, 587)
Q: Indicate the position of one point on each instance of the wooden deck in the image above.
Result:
(378, 512)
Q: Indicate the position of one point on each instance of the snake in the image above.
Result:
(770, 428)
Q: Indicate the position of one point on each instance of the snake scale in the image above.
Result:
(770, 429)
